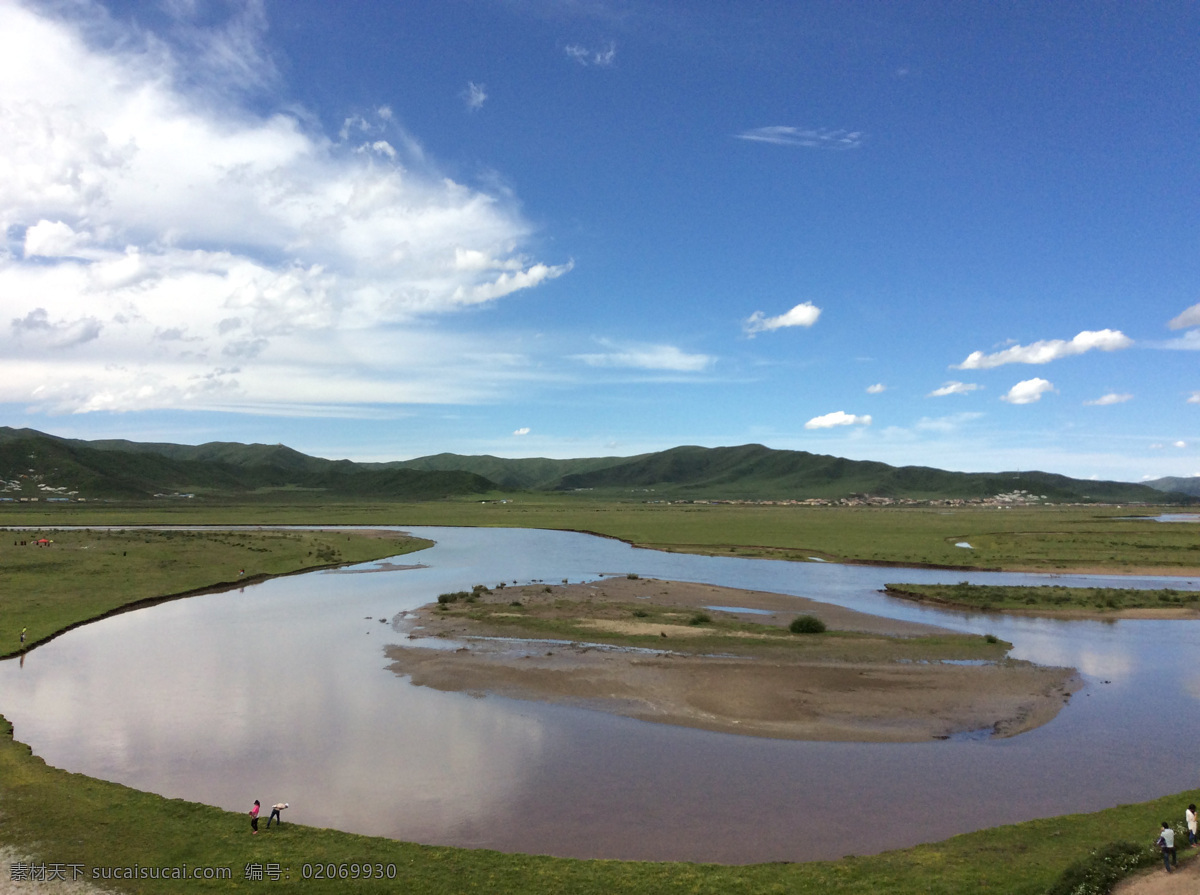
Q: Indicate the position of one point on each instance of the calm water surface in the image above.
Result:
(280, 691)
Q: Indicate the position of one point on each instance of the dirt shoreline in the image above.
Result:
(886, 682)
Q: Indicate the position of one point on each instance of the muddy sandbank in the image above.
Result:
(636, 647)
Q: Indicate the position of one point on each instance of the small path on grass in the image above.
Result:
(1184, 881)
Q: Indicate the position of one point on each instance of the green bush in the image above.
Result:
(807, 624)
(700, 618)
(1102, 869)
(454, 597)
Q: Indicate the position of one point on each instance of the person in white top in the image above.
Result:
(1166, 841)
(275, 809)
(1190, 817)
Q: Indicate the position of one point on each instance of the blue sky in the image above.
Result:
(963, 235)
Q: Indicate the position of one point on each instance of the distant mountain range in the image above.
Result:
(34, 464)
(755, 472)
(1189, 486)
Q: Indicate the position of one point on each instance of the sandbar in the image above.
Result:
(630, 649)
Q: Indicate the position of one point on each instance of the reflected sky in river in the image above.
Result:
(280, 691)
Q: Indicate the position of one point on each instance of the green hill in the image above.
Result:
(1179, 485)
(530, 474)
(33, 464)
(755, 472)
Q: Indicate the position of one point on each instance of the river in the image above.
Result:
(280, 691)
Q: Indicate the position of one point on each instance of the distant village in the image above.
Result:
(1018, 498)
(14, 490)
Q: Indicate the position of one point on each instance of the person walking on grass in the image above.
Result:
(1166, 842)
(254, 819)
(275, 809)
(1190, 817)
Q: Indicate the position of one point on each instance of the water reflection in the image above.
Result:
(280, 691)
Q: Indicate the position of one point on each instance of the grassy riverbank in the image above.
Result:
(58, 818)
(1050, 598)
(1047, 539)
(83, 575)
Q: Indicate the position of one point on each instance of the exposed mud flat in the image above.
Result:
(888, 683)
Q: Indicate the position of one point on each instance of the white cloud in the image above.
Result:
(52, 239)
(811, 138)
(1046, 351)
(1194, 398)
(1188, 341)
(1027, 391)
(1189, 318)
(647, 357)
(524, 430)
(945, 424)
(474, 96)
(1110, 398)
(1179, 444)
(954, 388)
(585, 56)
(134, 204)
(804, 314)
(877, 389)
(837, 418)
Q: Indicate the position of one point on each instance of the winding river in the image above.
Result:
(280, 691)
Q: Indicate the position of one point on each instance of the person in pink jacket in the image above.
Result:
(254, 818)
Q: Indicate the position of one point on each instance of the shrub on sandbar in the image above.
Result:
(807, 624)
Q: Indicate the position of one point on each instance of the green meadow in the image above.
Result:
(84, 575)
(1047, 598)
(58, 818)
(1050, 539)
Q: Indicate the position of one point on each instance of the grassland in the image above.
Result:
(1052, 599)
(84, 575)
(1043, 539)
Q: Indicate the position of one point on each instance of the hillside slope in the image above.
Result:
(33, 464)
(1177, 485)
(753, 471)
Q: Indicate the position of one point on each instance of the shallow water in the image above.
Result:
(280, 691)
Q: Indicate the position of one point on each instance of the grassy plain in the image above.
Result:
(83, 575)
(1045, 539)
(1051, 598)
